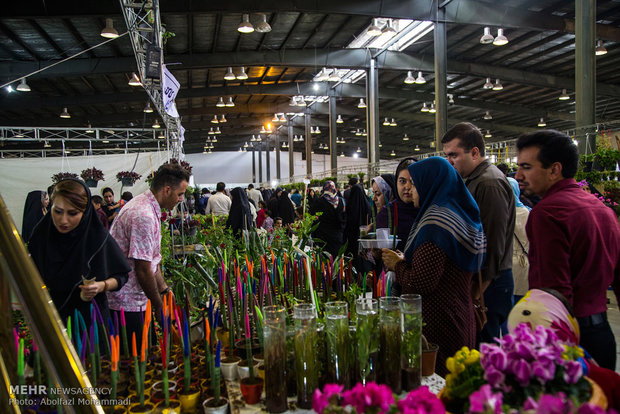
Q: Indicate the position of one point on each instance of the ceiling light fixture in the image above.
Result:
(156, 124)
(542, 123)
(488, 84)
(600, 49)
(451, 99)
(134, 80)
(301, 101)
(405, 137)
(393, 123)
(275, 118)
(409, 79)
(342, 155)
(301, 138)
(488, 134)
(334, 76)
(161, 135)
(358, 133)
(374, 29)
(217, 130)
(229, 74)
(214, 120)
(389, 28)
(358, 150)
(386, 122)
(148, 108)
(393, 154)
(487, 38)
(47, 145)
(253, 139)
(424, 108)
(230, 102)
(242, 75)
(245, 26)
(211, 131)
(109, 32)
(339, 119)
(263, 26)
(65, 114)
(432, 109)
(500, 39)
(487, 115)
(223, 119)
(293, 101)
(498, 85)
(417, 148)
(220, 103)
(89, 129)
(420, 79)
(564, 96)
(23, 86)
(362, 104)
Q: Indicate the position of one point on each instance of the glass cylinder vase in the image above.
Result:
(390, 343)
(274, 335)
(306, 363)
(411, 348)
(367, 332)
(337, 330)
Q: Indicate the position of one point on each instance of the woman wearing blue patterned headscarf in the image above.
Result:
(446, 246)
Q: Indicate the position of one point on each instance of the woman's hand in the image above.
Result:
(390, 258)
(90, 290)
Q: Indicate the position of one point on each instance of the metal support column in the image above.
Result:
(253, 164)
(585, 69)
(267, 160)
(260, 161)
(372, 112)
(278, 156)
(333, 154)
(291, 153)
(308, 139)
(441, 69)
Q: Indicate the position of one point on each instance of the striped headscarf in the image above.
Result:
(329, 193)
(449, 216)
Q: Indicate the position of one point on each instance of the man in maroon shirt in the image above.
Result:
(574, 238)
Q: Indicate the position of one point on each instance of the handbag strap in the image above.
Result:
(520, 244)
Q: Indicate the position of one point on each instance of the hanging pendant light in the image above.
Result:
(405, 138)
(253, 138)
(282, 118)
(500, 39)
(392, 154)
(220, 103)
(301, 138)
(229, 74)
(600, 49)
(223, 119)
(275, 118)
(432, 109)
(564, 96)
(242, 75)
(542, 123)
(245, 26)
(230, 102)
(148, 108)
(409, 79)
(109, 32)
(156, 124)
(488, 84)
(214, 120)
(374, 29)
(386, 122)
(339, 119)
(498, 85)
(217, 130)
(420, 79)
(417, 148)
(488, 134)
(358, 149)
(293, 101)
(263, 26)
(334, 76)
(451, 99)
(487, 38)
(23, 86)
(65, 113)
(393, 123)
(211, 131)
(487, 115)
(362, 104)
(342, 155)
(134, 80)
(424, 108)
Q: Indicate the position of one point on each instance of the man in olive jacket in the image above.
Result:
(464, 148)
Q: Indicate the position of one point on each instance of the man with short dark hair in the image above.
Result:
(137, 230)
(574, 238)
(97, 202)
(464, 148)
(202, 201)
(219, 203)
(254, 194)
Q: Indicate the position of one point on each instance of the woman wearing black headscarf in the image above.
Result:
(332, 219)
(358, 214)
(70, 244)
(286, 209)
(34, 210)
(240, 216)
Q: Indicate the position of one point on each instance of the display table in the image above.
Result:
(238, 406)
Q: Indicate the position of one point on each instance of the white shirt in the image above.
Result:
(218, 204)
(255, 195)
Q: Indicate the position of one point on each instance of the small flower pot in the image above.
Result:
(174, 406)
(127, 182)
(137, 408)
(158, 396)
(243, 370)
(115, 409)
(229, 368)
(251, 390)
(224, 336)
(189, 401)
(241, 350)
(429, 358)
(91, 183)
(210, 407)
(159, 386)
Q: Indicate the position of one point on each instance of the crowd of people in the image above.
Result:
(457, 219)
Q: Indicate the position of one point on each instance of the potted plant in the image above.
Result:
(337, 330)
(411, 350)
(128, 178)
(56, 178)
(367, 338)
(275, 358)
(92, 176)
(390, 342)
(216, 404)
(251, 387)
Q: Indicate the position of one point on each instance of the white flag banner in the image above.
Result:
(170, 88)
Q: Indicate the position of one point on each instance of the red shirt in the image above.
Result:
(260, 218)
(574, 247)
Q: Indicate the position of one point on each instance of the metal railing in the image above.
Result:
(19, 272)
